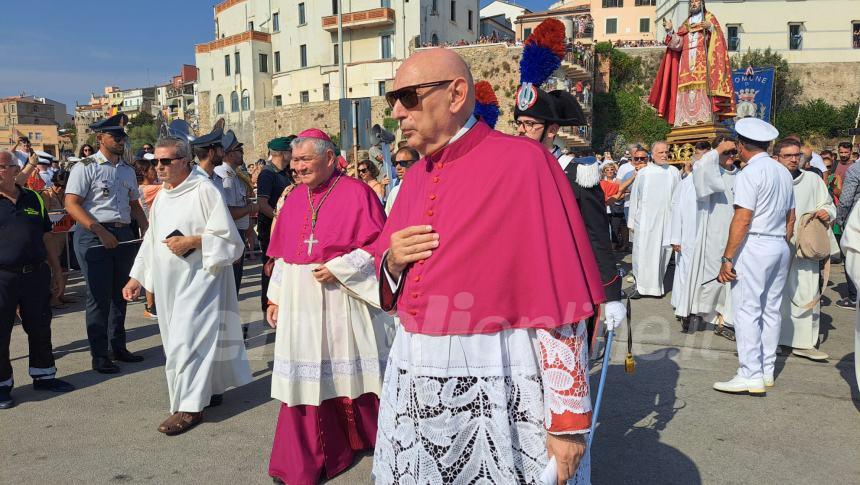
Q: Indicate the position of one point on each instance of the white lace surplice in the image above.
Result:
(475, 408)
(332, 340)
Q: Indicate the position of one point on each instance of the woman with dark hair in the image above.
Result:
(148, 187)
(368, 172)
(86, 151)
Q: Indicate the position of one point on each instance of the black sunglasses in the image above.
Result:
(404, 163)
(408, 95)
(731, 153)
(165, 161)
(640, 159)
(362, 170)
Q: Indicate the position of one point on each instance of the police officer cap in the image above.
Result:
(230, 142)
(281, 144)
(756, 129)
(113, 125)
(211, 139)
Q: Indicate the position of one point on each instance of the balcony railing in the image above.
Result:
(375, 17)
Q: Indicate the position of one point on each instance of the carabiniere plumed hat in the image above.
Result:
(544, 49)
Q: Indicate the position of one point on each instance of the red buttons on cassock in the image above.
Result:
(413, 312)
(415, 295)
(432, 196)
(435, 180)
(416, 279)
(430, 213)
(422, 262)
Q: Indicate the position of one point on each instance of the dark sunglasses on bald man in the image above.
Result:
(408, 95)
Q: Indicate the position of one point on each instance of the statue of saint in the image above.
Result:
(694, 82)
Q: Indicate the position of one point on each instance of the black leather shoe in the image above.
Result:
(125, 356)
(53, 385)
(6, 400)
(104, 365)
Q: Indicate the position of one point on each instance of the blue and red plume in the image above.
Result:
(544, 49)
(486, 103)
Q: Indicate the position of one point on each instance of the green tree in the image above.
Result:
(786, 86)
(138, 135)
(816, 118)
(142, 119)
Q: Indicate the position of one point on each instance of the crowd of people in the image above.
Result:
(417, 313)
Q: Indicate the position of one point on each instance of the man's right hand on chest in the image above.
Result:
(408, 246)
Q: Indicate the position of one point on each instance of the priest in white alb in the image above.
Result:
(186, 259)
(713, 178)
(332, 340)
(650, 221)
(683, 240)
(801, 306)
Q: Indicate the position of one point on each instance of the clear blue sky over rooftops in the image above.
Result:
(65, 50)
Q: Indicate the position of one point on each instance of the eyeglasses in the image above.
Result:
(731, 153)
(408, 95)
(404, 163)
(118, 138)
(790, 155)
(8, 167)
(640, 159)
(362, 170)
(528, 124)
(165, 161)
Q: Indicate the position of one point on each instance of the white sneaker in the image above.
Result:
(768, 381)
(811, 354)
(741, 385)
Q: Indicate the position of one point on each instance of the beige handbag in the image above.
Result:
(813, 242)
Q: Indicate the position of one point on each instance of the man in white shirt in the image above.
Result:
(756, 257)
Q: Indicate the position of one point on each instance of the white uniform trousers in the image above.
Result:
(761, 267)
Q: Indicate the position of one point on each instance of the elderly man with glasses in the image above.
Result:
(492, 296)
(102, 196)
(185, 261)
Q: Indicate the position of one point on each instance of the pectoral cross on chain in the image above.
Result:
(310, 242)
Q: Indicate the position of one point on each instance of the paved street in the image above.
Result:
(662, 424)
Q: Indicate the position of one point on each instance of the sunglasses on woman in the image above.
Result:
(362, 170)
(408, 95)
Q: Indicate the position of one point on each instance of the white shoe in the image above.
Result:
(741, 385)
(768, 381)
(811, 354)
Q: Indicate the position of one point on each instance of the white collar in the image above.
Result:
(758, 156)
(468, 126)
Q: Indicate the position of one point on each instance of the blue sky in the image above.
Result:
(65, 50)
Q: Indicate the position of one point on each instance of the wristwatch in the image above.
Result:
(725, 260)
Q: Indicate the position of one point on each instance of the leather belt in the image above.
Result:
(20, 268)
(118, 225)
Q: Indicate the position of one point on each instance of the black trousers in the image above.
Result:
(32, 291)
(106, 273)
(238, 269)
(264, 280)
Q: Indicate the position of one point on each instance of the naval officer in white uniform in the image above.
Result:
(756, 257)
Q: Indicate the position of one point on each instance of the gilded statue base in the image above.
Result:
(682, 140)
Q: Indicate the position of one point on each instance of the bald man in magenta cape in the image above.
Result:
(488, 264)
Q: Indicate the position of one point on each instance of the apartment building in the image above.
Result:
(269, 53)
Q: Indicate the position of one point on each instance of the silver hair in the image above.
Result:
(8, 153)
(320, 146)
(181, 146)
(659, 142)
